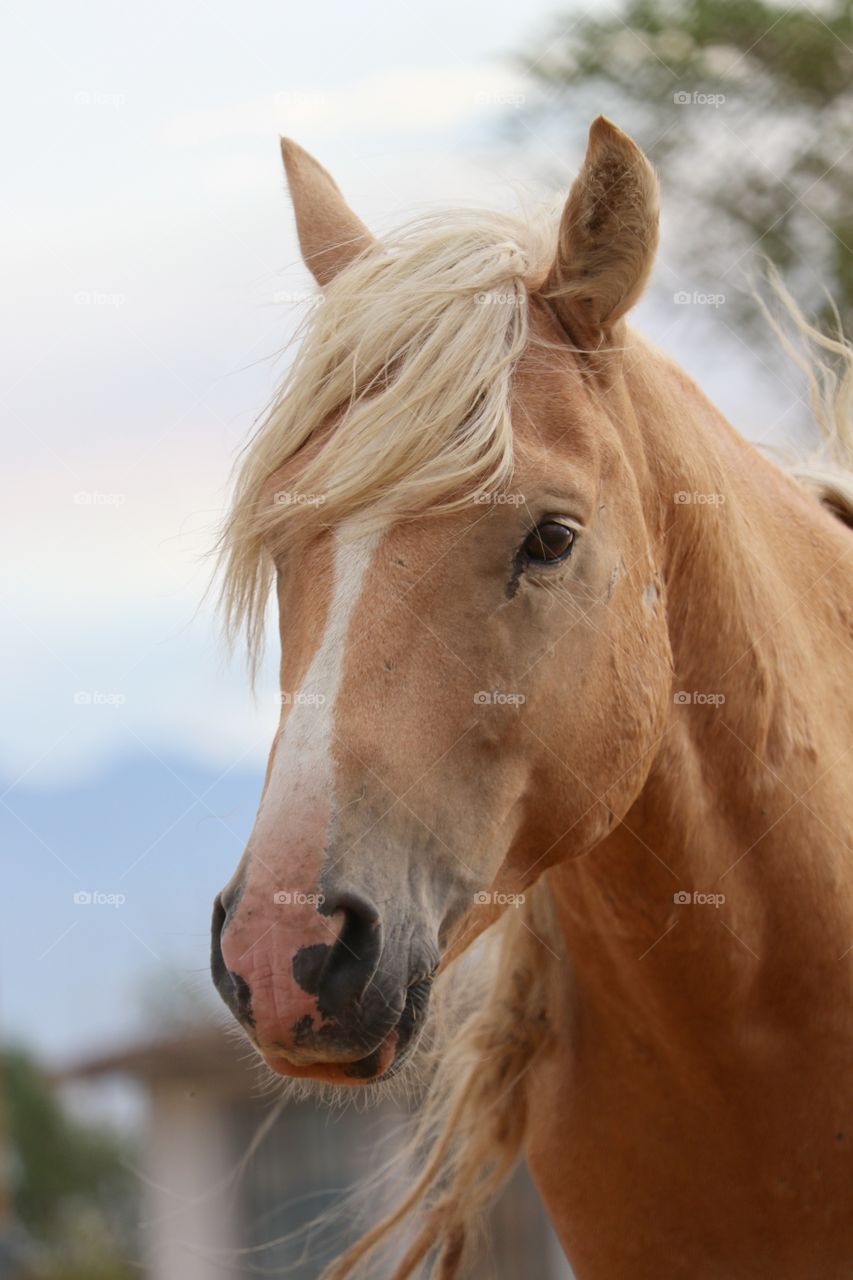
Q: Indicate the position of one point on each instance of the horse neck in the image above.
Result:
(746, 793)
(756, 572)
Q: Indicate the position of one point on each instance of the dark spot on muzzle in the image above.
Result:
(303, 1030)
(338, 973)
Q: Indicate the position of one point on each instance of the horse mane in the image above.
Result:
(489, 1026)
(398, 401)
(826, 363)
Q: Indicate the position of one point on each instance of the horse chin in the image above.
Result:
(368, 1070)
(382, 1064)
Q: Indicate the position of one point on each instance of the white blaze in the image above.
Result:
(303, 767)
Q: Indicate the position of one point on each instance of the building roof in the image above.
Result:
(207, 1053)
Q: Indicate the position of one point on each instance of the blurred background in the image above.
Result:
(151, 283)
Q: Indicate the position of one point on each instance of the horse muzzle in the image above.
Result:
(316, 986)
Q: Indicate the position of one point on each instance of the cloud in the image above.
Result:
(392, 102)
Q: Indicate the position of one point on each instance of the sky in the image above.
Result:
(151, 282)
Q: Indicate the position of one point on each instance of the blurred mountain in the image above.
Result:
(108, 892)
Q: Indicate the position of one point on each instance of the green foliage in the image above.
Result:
(746, 107)
(70, 1186)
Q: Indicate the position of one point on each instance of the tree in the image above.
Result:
(746, 107)
(70, 1185)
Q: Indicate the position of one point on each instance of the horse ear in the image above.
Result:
(330, 234)
(608, 236)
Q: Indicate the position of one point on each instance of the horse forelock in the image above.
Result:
(398, 399)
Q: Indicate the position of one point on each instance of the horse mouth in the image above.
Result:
(381, 1064)
(410, 1026)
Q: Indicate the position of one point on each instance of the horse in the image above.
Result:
(565, 732)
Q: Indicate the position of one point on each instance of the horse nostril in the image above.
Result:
(235, 991)
(241, 998)
(361, 916)
(217, 963)
(353, 958)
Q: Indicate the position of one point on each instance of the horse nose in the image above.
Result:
(278, 983)
(339, 973)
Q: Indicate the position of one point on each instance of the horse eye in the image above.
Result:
(548, 542)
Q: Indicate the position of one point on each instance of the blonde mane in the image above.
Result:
(826, 363)
(397, 402)
(398, 394)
